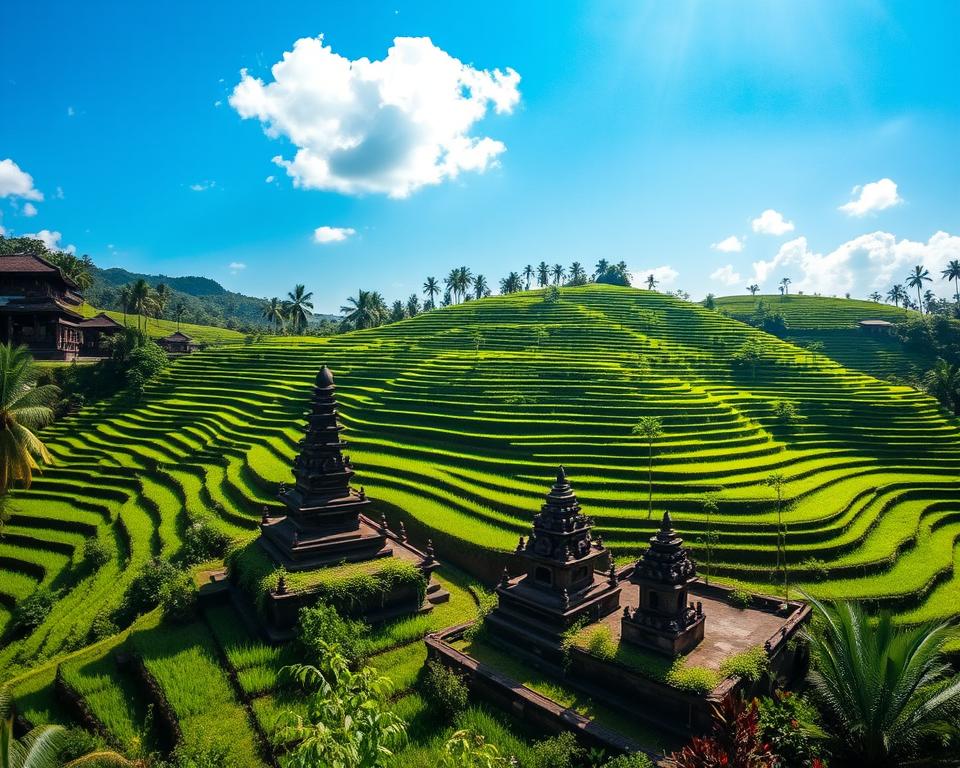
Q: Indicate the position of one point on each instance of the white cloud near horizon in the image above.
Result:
(384, 127)
(771, 222)
(872, 197)
(867, 263)
(52, 240)
(732, 244)
(324, 235)
(15, 182)
(203, 186)
(237, 265)
(29, 209)
(726, 275)
(664, 275)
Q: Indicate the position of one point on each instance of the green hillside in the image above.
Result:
(204, 334)
(457, 420)
(833, 323)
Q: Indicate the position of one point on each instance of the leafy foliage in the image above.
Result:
(735, 742)
(321, 626)
(444, 689)
(31, 611)
(178, 598)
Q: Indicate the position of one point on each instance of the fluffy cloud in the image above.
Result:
(726, 275)
(664, 275)
(17, 183)
(875, 196)
(870, 262)
(203, 186)
(326, 235)
(771, 222)
(52, 240)
(29, 209)
(386, 127)
(236, 266)
(732, 244)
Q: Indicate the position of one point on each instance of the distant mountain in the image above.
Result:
(206, 302)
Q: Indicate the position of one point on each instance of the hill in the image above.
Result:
(457, 420)
(833, 322)
(204, 334)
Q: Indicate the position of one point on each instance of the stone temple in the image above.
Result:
(326, 524)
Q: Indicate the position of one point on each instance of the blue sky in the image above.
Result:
(638, 131)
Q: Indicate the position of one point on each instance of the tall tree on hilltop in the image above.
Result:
(24, 408)
(952, 272)
(886, 691)
(621, 272)
(577, 274)
(273, 312)
(299, 307)
(558, 273)
(601, 269)
(753, 288)
(875, 297)
(511, 284)
(178, 310)
(141, 300)
(528, 274)
(916, 280)
(480, 287)
(543, 274)
(431, 287)
(413, 305)
(785, 286)
(161, 297)
(125, 298)
(649, 428)
(361, 311)
(896, 294)
(398, 312)
(651, 282)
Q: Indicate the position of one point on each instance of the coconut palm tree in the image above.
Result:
(753, 288)
(125, 297)
(398, 312)
(943, 382)
(897, 295)
(577, 274)
(361, 311)
(141, 300)
(41, 747)
(543, 274)
(886, 692)
(558, 273)
(916, 280)
(178, 311)
(601, 269)
(24, 407)
(431, 288)
(274, 312)
(649, 428)
(528, 274)
(952, 272)
(161, 297)
(651, 282)
(480, 287)
(413, 305)
(299, 307)
(785, 286)
(511, 284)
(875, 297)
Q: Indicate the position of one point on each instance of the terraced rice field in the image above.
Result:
(457, 420)
(204, 334)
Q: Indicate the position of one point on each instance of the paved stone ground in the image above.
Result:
(727, 632)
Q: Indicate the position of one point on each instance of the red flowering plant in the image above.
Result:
(736, 741)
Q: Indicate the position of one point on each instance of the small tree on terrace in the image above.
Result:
(577, 274)
(943, 382)
(916, 280)
(527, 274)
(649, 428)
(710, 538)
(431, 288)
(785, 286)
(466, 749)
(753, 288)
(777, 482)
(273, 312)
(875, 297)
(413, 305)
(651, 282)
(897, 295)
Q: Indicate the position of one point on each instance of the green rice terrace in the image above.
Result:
(457, 420)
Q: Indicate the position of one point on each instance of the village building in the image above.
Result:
(178, 343)
(95, 331)
(876, 327)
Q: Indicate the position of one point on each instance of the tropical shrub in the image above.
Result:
(600, 643)
(178, 598)
(691, 678)
(735, 741)
(444, 689)
(95, 553)
(560, 751)
(751, 664)
(636, 760)
(786, 412)
(30, 612)
(740, 598)
(202, 542)
(468, 749)
(787, 724)
(145, 362)
(321, 626)
(551, 295)
(145, 590)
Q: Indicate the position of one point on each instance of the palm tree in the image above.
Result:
(875, 297)
(528, 274)
(929, 300)
(379, 305)
(511, 283)
(24, 407)
(41, 747)
(161, 297)
(543, 274)
(413, 305)
(558, 273)
(431, 288)
(651, 282)
(398, 312)
(125, 297)
(362, 311)
(141, 300)
(274, 312)
(753, 288)
(896, 295)
(649, 428)
(952, 272)
(480, 288)
(886, 691)
(178, 311)
(577, 274)
(916, 279)
(943, 382)
(785, 286)
(621, 272)
(601, 269)
(299, 306)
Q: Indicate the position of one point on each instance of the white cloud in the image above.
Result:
(237, 265)
(726, 275)
(386, 127)
(869, 262)
(59, 193)
(771, 222)
(17, 183)
(203, 186)
(270, 179)
(732, 244)
(875, 196)
(326, 235)
(664, 275)
(71, 111)
(52, 240)
(29, 209)
(218, 103)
